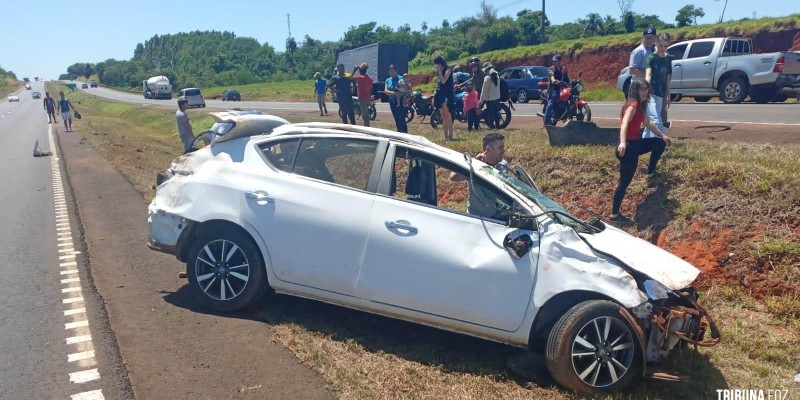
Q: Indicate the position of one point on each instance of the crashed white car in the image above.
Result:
(368, 219)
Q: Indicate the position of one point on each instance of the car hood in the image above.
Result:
(657, 263)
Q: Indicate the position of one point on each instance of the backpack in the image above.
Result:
(503, 90)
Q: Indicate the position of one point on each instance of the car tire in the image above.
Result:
(733, 90)
(591, 331)
(522, 96)
(763, 96)
(225, 262)
(675, 97)
(702, 99)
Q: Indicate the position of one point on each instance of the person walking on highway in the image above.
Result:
(490, 95)
(556, 75)
(50, 108)
(658, 75)
(394, 87)
(65, 107)
(185, 131)
(633, 115)
(343, 84)
(320, 89)
(363, 90)
(444, 98)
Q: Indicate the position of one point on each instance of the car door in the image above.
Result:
(697, 69)
(677, 53)
(313, 208)
(429, 255)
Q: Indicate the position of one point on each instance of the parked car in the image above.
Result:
(357, 217)
(193, 96)
(523, 82)
(84, 85)
(231, 95)
(13, 97)
(36, 95)
(726, 68)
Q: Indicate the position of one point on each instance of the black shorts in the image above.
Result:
(438, 100)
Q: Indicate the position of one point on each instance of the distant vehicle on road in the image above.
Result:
(36, 95)
(84, 85)
(93, 84)
(231, 95)
(523, 82)
(379, 56)
(726, 68)
(193, 96)
(27, 86)
(157, 87)
(36, 78)
(13, 97)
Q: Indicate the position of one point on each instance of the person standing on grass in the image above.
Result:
(343, 84)
(320, 88)
(490, 94)
(638, 60)
(633, 115)
(184, 125)
(444, 99)
(394, 88)
(50, 108)
(363, 90)
(65, 107)
(556, 75)
(470, 108)
(658, 75)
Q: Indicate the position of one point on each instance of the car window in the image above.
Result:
(677, 52)
(700, 49)
(191, 92)
(735, 47)
(539, 71)
(281, 154)
(505, 74)
(425, 179)
(342, 161)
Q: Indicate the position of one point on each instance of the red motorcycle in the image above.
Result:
(568, 104)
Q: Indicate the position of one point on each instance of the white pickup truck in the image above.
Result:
(726, 67)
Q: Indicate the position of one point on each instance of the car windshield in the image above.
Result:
(221, 128)
(555, 210)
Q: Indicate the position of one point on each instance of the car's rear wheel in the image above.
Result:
(225, 269)
(522, 96)
(593, 349)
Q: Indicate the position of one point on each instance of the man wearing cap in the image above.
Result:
(363, 90)
(639, 55)
(556, 74)
(490, 94)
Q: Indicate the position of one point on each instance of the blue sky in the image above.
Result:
(43, 37)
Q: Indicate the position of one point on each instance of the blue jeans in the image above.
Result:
(551, 102)
(651, 143)
(399, 114)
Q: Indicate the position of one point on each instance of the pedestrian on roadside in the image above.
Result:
(65, 107)
(185, 131)
(638, 59)
(490, 95)
(658, 75)
(470, 108)
(393, 88)
(633, 115)
(363, 90)
(556, 75)
(320, 89)
(50, 108)
(444, 98)
(343, 84)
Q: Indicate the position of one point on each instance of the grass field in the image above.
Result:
(8, 85)
(743, 197)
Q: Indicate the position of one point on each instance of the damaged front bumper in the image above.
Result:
(165, 230)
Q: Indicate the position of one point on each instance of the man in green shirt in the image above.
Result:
(658, 73)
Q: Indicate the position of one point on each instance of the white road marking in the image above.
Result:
(79, 339)
(68, 264)
(66, 256)
(69, 271)
(69, 250)
(74, 311)
(84, 376)
(80, 356)
(70, 280)
(78, 324)
(64, 244)
(93, 395)
(71, 289)
(72, 300)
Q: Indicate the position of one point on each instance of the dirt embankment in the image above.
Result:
(602, 65)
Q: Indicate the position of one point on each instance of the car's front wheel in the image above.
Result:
(225, 269)
(593, 349)
(522, 96)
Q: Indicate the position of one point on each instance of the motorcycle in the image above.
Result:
(373, 112)
(568, 105)
(417, 104)
(503, 112)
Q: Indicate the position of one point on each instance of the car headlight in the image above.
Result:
(655, 290)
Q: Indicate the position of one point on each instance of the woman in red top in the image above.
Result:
(633, 116)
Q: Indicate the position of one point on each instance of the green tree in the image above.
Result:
(502, 34)
(592, 24)
(630, 22)
(688, 14)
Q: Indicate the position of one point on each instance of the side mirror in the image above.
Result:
(517, 247)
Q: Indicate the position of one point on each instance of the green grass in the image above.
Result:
(270, 91)
(8, 85)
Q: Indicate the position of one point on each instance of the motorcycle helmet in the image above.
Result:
(557, 57)
(475, 61)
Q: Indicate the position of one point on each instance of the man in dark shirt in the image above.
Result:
(343, 84)
(557, 74)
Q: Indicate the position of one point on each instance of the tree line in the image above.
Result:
(212, 58)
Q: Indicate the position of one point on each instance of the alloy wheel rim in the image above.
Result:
(522, 96)
(602, 352)
(222, 270)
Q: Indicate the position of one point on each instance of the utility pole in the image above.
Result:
(543, 19)
(289, 23)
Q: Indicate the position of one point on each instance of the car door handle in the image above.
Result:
(401, 225)
(259, 196)
(677, 65)
(707, 63)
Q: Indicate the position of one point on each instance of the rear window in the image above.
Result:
(191, 92)
(538, 71)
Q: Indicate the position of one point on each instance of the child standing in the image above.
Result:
(471, 108)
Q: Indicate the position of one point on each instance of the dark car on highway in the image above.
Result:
(523, 82)
(231, 95)
(36, 95)
(84, 86)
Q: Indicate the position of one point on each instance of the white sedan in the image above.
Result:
(13, 97)
(368, 219)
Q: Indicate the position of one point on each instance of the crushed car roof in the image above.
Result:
(247, 123)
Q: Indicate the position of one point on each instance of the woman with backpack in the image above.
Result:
(444, 99)
(490, 94)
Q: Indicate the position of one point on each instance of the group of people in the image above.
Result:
(64, 107)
